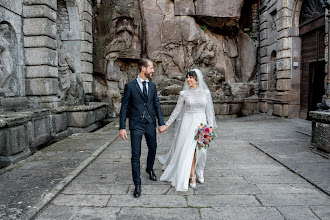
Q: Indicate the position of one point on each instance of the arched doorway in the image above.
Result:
(312, 33)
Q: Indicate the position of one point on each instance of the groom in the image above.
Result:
(140, 103)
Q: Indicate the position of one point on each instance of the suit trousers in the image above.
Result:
(142, 127)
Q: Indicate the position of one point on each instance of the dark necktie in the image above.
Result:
(145, 90)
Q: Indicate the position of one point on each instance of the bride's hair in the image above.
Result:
(192, 73)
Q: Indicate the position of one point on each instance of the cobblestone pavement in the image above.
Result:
(241, 182)
(246, 177)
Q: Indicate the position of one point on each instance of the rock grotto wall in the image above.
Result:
(178, 36)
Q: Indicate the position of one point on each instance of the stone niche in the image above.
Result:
(11, 59)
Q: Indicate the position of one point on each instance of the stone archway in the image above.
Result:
(74, 27)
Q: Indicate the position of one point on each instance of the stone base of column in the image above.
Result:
(321, 130)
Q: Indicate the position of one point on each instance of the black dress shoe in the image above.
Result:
(152, 175)
(137, 191)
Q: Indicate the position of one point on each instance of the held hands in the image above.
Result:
(123, 134)
(162, 129)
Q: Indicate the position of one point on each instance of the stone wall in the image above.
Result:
(177, 36)
(12, 82)
(31, 35)
(46, 74)
(280, 57)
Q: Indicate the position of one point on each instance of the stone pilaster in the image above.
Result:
(86, 45)
(39, 30)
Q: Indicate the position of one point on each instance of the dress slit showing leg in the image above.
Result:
(179, 168)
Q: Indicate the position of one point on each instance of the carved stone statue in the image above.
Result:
(124, 37)
(71, 87)
(205, 53)
(6, 65)
(110, 68)
(189, 60)
(119, 75)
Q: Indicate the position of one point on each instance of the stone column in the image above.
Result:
(39, 29)
(86, 68)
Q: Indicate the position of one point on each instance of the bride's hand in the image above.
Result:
(162, 129)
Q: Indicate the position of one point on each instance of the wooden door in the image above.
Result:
(312, 32)
(316, 84)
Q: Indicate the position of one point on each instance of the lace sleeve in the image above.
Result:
(177, 109)
(210, 116)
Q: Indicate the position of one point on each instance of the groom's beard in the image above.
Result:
(148, 75)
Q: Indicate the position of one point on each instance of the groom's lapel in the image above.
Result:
(138, 87)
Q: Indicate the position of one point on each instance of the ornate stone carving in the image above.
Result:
(6, 65)
(311, 9)
(205, 53)
(71, 87)
(124, 37)
(171, 59)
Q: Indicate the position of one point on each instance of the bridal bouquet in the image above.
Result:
(204, 136)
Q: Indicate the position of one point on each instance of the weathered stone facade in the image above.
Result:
(46, 74)
(284, 25)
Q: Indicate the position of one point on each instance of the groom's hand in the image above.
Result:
(123, 134)
(162, 129)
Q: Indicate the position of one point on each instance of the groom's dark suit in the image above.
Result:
(142, 121)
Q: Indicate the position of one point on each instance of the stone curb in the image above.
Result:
(66, 181)
(294, 169)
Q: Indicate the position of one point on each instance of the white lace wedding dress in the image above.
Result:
(177, 162)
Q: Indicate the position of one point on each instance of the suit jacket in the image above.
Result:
(134, 100)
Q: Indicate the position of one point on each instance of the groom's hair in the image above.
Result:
(143, 62)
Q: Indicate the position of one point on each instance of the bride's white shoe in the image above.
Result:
(200, 179)
(193, 185)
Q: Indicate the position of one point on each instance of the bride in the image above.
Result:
(185, 160)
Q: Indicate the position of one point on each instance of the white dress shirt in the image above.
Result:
(139, 80)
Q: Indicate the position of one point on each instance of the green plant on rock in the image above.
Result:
(204, 28)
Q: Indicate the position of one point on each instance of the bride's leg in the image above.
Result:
(201, 158)
(192, 172)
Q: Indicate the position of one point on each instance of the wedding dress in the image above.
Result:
(194, 107)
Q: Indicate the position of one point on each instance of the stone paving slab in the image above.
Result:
(242, 213)
(81, 213)
(96, 189)
(323, 212)
(275, 199)
(173, 201)
(301, 160)
(241, 181)
(25, 184)
(223, 201)
(158, 213)
(82, 200)
(298, 212)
